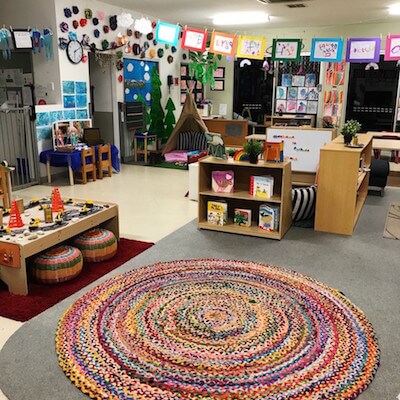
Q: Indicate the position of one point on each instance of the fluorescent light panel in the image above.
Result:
(238, 18)
(394, 9)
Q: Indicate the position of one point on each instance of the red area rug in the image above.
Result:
(42, 297)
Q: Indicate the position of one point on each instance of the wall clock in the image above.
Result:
(74, 51)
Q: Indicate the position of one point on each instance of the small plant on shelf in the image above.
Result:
(253, 148)
(349, 130)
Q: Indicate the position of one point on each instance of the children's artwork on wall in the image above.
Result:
(312, 107)
(81, 101)
(167, 33)
(223, 43)
(292, 93)
(326, 49)
(392, 49)
(298, 80)
(291, 106)
(69, 101)
(281, 92)
(43, 133)
(81, 114)
(302, 93)
(312, 94)
(360, 50)
(286, 80)
(251, 47)
(80, 88)
(68, 87)
(311, 80)
(335, 74)
(328, 110)
(219, 85)
(286, 49)
(194, 39)
(219, 73)
(55, 116)
(301, 106)
(42, 119)
(280, 106)
(69, 114)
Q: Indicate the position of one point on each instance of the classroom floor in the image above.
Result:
(152, 204)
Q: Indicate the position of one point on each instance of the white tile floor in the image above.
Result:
(152, 204)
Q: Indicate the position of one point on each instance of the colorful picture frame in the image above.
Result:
(219, 86)
(219, 73)
(167, 33)
(223, 43)
(392, 48)
(251, 47)
(361, 50)
(194, 39)
(286, 49)
(326, 49)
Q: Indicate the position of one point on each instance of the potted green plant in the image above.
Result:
(253, 148)
(349, 130)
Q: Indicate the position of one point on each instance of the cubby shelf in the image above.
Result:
(241, 198)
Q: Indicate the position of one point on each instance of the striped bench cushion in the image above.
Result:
(191, 141)
(303, 203)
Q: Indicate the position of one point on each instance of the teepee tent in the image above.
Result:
(189, 120)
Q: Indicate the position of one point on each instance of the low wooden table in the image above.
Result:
(14, 250)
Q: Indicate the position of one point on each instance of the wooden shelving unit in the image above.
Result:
(241, 198)
(342, 185)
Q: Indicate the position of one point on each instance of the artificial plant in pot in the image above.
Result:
(253, 148)
(349, 130)
(202, 66)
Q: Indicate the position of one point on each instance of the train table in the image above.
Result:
(17, 245)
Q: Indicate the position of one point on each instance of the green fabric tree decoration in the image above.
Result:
(156, 111)
(146, 115)
(169, 121)
(203, 65)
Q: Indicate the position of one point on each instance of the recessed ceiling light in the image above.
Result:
(394, 9)
(240, 18)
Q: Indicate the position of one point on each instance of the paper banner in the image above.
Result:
(223, 43)
(329, 49)
(194, 39)
(363, 50)
(251, 47)
(167, 33)
(286, 49)
(392, 50)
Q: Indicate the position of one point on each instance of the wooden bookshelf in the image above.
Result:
(342, 185)
(241, 198)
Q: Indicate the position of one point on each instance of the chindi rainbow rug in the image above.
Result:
(216, 329)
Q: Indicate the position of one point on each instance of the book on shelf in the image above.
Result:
(217, 213)
(273, 151)
(269, 217)
(222, 181)
(261, 186)
(242, 217)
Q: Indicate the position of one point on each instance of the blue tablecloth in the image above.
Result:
(62, 159)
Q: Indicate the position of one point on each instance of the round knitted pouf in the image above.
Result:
(56, 265)
(96, 245)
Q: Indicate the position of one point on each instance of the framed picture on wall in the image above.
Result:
(219, 73)
(21, 38)
(219, 86)
(360, 50)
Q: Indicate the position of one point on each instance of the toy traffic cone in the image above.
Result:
(56, 202)
(15, 220)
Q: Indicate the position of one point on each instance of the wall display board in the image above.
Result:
(301, 146)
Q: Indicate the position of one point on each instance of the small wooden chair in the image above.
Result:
(104, 160)
(88, 164)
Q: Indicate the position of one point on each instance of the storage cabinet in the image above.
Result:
(342, 185)
(241, 198)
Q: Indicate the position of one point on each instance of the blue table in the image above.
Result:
(73, 161)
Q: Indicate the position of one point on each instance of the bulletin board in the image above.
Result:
(301, 146)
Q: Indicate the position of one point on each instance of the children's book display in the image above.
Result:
(269, 217)
(217, 213)
(262, 186)
(242, 217)
(222, 181)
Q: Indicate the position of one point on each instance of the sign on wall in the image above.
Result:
(167, 33)
(251, 47)
(326, 49)
(286, 49)
(194, 39)
(223, 43)
(361, 50)
(392, 50)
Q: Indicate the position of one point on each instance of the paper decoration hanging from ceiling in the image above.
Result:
(392, 49)
(360, 50)
(251, 47)
(167, 33)
(326, 49)
(223, 43)
(194, 39)
(286, 49)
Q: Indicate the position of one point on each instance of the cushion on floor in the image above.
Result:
(303, 203)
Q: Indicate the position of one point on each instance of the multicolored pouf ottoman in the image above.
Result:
(56, 265)
(96, 245)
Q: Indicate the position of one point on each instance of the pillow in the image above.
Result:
(303, 203)
(191, 141)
